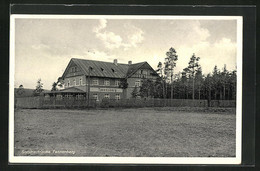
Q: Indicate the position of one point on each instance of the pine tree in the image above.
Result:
(199, 81)
(38, 89)
(224, 80)
(216, 81)
(54, 86)
(170, 64)
(208, 87)
(192, 69)
(158, 88)
(162, 78)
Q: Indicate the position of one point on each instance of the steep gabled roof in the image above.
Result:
(100, 68)
(105, 69)
(133, 68)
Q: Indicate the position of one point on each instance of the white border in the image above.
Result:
(127, 160)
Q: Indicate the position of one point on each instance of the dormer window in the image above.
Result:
(102, 69)
(112, 70)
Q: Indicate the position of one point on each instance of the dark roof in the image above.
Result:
(105, 69)
(109, 69)
(66, 90)
(133, 68)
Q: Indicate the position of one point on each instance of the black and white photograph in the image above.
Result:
(138, 89)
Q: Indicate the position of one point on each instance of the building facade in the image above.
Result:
(105, 79)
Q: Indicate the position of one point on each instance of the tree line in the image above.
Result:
(191, 83)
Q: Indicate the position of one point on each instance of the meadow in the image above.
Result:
(139, 132)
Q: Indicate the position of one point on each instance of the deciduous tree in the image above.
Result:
(20, 91)
(147, 88)
(135, 92)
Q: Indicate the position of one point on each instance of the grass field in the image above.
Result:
(146, 132)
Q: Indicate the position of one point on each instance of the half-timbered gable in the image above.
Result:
(142, 70)
(72, 70)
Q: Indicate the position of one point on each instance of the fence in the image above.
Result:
(165, 103)
(223, 103)
(41, 102)
(29, 102)
(70, 102)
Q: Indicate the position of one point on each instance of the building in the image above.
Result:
(105, 79)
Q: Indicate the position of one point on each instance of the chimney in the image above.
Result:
(115, 61)
(129, 62)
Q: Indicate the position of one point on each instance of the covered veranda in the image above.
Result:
(68, 93)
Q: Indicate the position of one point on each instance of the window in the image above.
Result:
(59, 97)
(74, 69)
(79, 96)
(95, 82)
(107, 96)
(74, 82)
(141, 72)
(138, 83)
(95, 96)
(80, 81)
(47, 97)
(117, 82)
(71, 69)
(107, 82)
(69, 83)
(68, 96)
(102, 69)
(117, 96)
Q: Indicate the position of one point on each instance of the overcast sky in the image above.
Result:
(44, 47)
